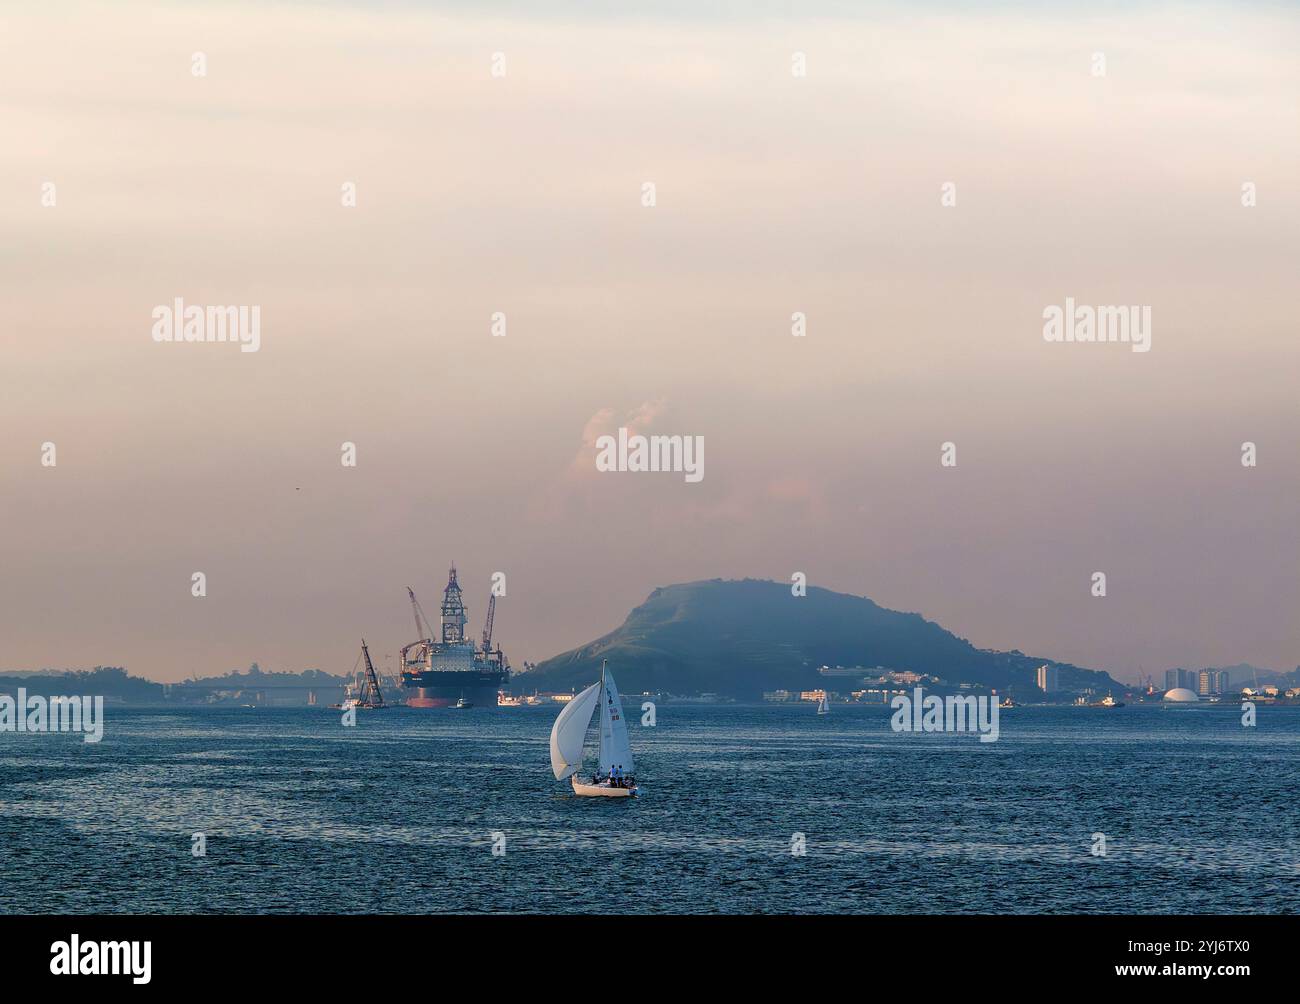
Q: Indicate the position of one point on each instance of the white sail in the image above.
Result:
(569, 731)
(614, 748)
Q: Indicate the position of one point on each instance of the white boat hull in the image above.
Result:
(601, 790)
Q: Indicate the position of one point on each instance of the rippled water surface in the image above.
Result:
(397, 814)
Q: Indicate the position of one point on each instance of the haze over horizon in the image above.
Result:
(522, 195)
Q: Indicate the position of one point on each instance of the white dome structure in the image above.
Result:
(1181, 695)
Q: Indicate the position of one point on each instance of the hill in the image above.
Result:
(740, 638)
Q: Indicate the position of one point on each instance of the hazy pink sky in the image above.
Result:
(521, 194)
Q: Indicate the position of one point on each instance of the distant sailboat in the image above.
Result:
(569, 734)
(823, 706)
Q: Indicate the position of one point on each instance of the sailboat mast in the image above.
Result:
(604, 715)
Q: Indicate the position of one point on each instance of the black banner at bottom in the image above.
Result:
(215, 953)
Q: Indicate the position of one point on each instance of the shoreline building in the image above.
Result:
(1049, 679)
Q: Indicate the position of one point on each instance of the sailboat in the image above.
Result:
(823, 706)
(569, 734)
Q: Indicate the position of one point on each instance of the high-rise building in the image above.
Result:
(1222, 682)
(1205, 682)
(1048, 679)
(1173, 679)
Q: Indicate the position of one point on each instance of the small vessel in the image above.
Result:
(1108, 702)
(1005, 703)
(823, 708)
(504, 700)
(372, 698)
(615, 772)
(463, 704)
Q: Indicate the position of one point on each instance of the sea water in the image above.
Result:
(767, 809)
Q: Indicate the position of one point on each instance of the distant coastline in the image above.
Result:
(117, 686)
(314, 687)
(746, 641)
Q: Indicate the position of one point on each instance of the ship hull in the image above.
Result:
(443, 690)
(601, 791)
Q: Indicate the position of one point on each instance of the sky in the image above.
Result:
(481, 193)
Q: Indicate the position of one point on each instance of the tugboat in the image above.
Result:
(462, 704)
(1107, 702)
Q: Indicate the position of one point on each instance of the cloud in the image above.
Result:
(573, 486)
(638, 420)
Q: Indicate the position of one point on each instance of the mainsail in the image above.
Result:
(569, 730)
(614, 748)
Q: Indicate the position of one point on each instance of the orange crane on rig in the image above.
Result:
(423, 630)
